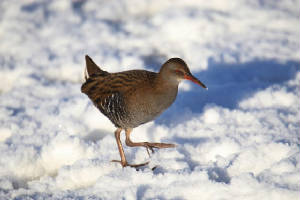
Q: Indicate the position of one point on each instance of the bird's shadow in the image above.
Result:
(96, 135)
(228, 84)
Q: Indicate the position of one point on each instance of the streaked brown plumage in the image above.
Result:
(134, 97)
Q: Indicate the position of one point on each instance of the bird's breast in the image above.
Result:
(146, 105)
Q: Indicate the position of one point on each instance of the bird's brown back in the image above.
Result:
(110, 91)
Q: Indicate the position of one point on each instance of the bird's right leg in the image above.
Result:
(122, 154)
(148, 145)
(121, 151)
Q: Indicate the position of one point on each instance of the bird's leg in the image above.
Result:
(148, 145)
(121, 151)
(122, 154)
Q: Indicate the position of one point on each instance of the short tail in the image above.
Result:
(91, 68)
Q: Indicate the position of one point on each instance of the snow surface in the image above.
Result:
(238, 140)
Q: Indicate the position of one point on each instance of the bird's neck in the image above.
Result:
(166, 90)
(166, 81)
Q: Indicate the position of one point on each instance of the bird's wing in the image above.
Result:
(108, 91)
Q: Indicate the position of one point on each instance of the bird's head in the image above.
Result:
(176, 70)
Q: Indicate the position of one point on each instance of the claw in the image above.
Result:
(151, 146)
(147, 148)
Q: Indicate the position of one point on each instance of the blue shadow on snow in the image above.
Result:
(228, 84)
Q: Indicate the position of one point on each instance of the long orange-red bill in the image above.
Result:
(195, 80)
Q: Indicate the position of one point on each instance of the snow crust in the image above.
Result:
(238, 140)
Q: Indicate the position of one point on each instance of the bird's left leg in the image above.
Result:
(148, 145)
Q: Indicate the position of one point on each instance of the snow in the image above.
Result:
(237, 140)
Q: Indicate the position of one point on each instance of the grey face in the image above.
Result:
(179, 69)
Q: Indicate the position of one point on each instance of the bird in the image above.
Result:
(134, 97)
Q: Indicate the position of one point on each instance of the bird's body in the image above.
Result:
(131, 98)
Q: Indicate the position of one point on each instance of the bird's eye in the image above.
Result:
(179, 73)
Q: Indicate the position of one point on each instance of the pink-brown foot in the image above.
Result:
(131, 165)
(157, 145)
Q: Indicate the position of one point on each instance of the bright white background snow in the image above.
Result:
(238, 140)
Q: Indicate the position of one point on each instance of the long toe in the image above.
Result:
(131, 165)
(138, 165)
(122, 163)
(151, 146)
(158, 145)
